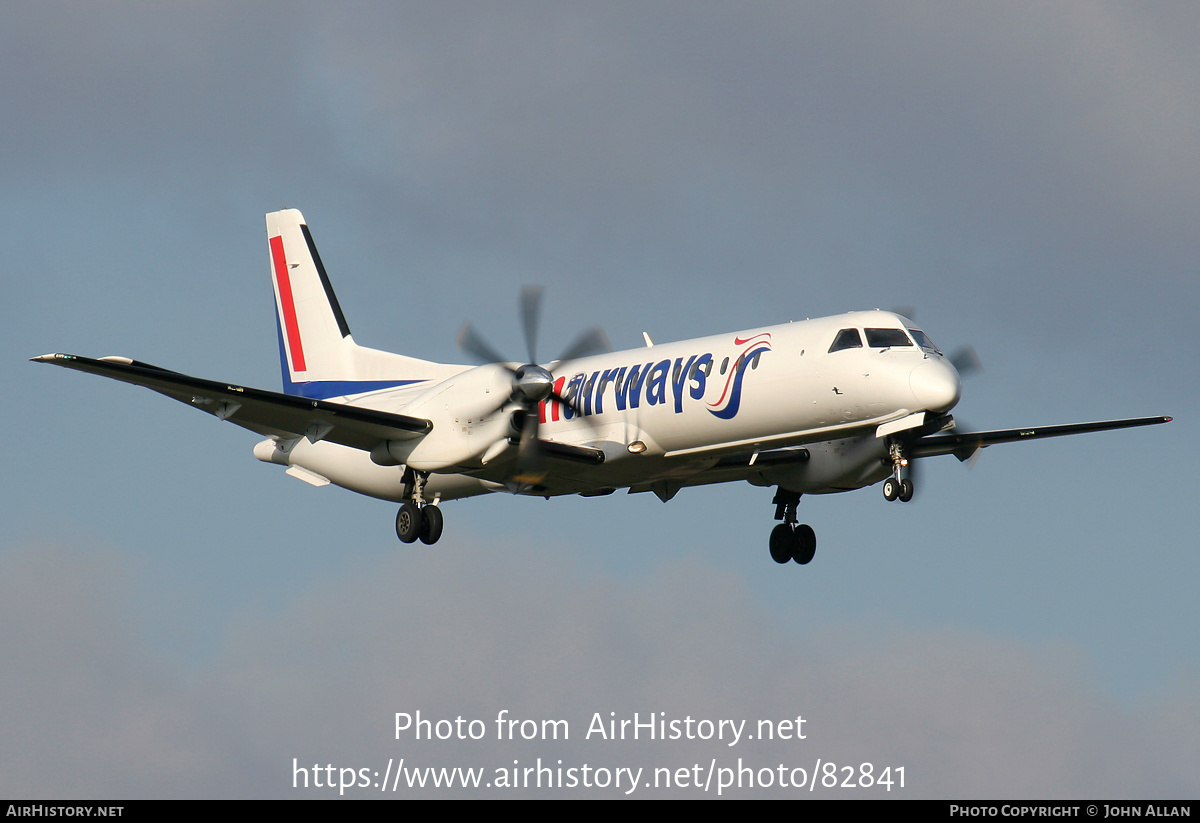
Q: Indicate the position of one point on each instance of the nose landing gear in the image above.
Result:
(897, 487)
(791, 540)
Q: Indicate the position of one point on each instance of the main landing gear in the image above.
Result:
(416, 519)
(896, 487)
(791, 540)
(415, 522)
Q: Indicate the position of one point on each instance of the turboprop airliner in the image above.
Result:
(810, 407)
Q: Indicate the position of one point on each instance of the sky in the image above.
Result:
(184, 621)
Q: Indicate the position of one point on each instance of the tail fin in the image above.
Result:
(318, 355)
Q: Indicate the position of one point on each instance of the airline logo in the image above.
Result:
(730, 401)
(660, 383)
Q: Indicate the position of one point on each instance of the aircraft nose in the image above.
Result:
(935, 385)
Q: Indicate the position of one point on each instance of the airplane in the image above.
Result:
(818, 406)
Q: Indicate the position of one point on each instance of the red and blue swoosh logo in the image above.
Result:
(730, 400)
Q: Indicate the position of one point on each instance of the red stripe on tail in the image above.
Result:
(291, 327)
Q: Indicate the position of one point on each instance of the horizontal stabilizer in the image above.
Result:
(260, 411)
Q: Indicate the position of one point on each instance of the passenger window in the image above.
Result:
(846, 339)
(887, 338)
(754, 360)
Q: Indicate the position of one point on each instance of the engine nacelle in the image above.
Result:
(467, 423)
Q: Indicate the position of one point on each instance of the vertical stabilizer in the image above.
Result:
(318, 355)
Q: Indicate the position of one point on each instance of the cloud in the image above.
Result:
(88, 709)
(468, 631)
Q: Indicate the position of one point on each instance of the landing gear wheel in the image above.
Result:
(891, 488)
(431, 529)
(409, 522)
(783, 542)
(906, 490)
(805, 545)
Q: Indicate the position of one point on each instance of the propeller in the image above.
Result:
(531, 383)
(965, 361)
(969, 452)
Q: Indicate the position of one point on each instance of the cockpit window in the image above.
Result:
(923, 340)
(846, 339)
(885, 338)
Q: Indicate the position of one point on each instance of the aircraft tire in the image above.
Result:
(431, 529)
(806, 544)
(906, 490)
(783, 543)
(891, 489)
(409, 522)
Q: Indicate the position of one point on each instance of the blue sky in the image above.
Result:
(183, 620)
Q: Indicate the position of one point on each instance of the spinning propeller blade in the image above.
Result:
(531, 312)
(469, 341)
(965, 361)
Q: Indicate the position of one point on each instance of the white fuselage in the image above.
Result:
(666, 415)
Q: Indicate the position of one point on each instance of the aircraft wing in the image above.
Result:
(263, 412)
(964, 444)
